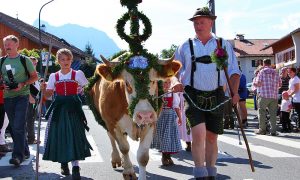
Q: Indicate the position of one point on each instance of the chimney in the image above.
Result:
(240, 37)
(232, 43)
(43, 28)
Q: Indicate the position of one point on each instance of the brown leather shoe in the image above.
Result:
(170, 159)
(261, 132)
(32, 141)
(15, 161)
(76, 173)
(164, 160)
(211, 177)
(65, 169)
(188, 146)
(5, 148)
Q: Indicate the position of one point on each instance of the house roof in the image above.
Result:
(252, 47)
(32, 33)
(283, 38)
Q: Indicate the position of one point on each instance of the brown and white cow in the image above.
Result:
(112, 95)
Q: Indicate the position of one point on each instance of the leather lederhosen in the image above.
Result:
(204, 99)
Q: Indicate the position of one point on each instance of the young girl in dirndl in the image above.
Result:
(65, 134)
(166, 136)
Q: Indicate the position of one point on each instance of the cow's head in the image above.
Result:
(140, 74)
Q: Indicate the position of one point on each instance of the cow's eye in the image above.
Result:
(128, 87)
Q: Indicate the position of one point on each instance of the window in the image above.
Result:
(285, 56)
(256, 62)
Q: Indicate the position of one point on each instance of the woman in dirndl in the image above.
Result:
(65, 134)
(166, 136)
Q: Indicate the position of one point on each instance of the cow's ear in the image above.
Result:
(105, 71)
(170, 69)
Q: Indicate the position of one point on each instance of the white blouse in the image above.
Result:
(79, 77)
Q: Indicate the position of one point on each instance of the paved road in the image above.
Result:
(274, 158)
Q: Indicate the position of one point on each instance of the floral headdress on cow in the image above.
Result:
(137, 61)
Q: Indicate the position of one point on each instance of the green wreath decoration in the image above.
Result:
(141, 79)
(140, 74)
(134, 40)
(130, 2)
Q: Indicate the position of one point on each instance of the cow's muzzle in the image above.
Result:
(145, 117)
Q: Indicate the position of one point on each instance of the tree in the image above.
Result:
(36, 53)
(167, 53)
(89, 50)
(89, 65)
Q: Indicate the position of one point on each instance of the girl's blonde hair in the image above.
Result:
(63, 51)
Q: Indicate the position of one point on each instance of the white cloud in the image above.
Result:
(168, 17)
(290, 22)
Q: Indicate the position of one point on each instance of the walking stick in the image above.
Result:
(239, 121)
(37, 160)
(238, 131)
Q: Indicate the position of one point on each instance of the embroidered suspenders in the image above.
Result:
(203, 59)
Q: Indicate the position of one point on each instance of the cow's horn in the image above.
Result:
(166, 61)
(109, 63)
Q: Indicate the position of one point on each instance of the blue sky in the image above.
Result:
(256, 19)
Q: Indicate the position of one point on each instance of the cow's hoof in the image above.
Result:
(116, 164)
(129, 176)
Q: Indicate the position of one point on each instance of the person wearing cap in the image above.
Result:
(284, 82)
(200, 79)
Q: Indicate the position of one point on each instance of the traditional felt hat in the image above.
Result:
(203, 12)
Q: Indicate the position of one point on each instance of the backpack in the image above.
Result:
(33, 90)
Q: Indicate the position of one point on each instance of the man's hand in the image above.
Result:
(235, 99)
(178, 88)
(20, 86)
(43, 86)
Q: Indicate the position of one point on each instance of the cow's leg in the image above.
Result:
(128, 172)
(143, 151)
(115, 156)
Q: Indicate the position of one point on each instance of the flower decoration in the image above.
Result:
(138, 62)
(139, 66)
(220, 56)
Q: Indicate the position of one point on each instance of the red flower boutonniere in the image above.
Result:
(220, 56)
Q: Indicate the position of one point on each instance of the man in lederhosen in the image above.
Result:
(203, 84)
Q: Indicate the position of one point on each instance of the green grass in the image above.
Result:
(250, 103)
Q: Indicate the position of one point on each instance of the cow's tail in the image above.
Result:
(89, 99)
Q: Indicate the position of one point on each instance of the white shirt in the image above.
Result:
(79, 77)
(205, 76)
(285, 105)
(292, 82)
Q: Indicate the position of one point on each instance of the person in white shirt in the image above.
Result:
(285, 108)
(294, 90)
(199, 76)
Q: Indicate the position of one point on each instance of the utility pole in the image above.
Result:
(41, 94)
(211, 5)
(40, 36)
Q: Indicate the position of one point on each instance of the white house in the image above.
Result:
(287, 50)
(250, 53)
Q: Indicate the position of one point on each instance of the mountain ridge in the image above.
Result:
(101, 43)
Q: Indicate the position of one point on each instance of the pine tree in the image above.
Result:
(89, 50)
(89, 65)
(167, 53)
